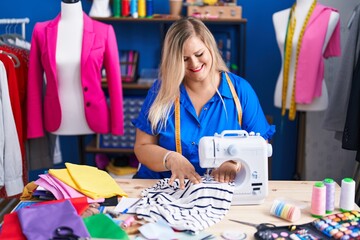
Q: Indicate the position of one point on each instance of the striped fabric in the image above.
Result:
(193, 209)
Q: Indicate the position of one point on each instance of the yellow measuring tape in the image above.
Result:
(177, 125)
(177, 113)
(287, 58)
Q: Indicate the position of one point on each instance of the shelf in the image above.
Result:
(167, 19)
(130, 86)
(164, 21)
(92, 148)
(136, 86)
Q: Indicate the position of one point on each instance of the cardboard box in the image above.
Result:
(215, 12)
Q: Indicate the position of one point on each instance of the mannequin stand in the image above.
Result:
(82, 158)
(300, 159)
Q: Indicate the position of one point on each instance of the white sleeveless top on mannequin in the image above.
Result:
(68, 66)
(280, 20)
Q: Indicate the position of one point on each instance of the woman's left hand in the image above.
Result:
(226, 172)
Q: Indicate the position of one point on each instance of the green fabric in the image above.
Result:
(101, 226)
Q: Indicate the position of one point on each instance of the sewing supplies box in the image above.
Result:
(132, 107)
(228, 10)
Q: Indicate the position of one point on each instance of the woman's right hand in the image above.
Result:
(181, 169)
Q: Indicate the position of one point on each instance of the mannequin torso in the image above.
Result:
(280, 20)
(68, 59)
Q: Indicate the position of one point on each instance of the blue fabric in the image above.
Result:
(213, 119)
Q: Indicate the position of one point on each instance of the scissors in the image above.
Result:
(258, 227)
(65, 233)
(262, 228)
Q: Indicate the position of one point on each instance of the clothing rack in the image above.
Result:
(22, 21)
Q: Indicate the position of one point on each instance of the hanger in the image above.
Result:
(13, 57)
(11, 39)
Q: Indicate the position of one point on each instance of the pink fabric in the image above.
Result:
(61, 190)
(310, 68)
(99, 49)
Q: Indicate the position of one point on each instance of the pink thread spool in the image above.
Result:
(128, 222)
(318, 200)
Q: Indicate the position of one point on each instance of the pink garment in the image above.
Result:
(99, 48)
(310, 67)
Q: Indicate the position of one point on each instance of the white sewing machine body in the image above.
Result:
(252, 151)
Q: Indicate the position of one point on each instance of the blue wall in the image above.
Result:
(262, 62)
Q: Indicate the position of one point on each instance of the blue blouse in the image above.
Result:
(213, 118)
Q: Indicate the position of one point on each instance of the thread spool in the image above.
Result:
(285, 210)
(128, 221)
(318, 200)
(125, 8)
(142, 8)
(116, 8)
(133, 8)
(149, 8)
(347, 195)
(330, 195)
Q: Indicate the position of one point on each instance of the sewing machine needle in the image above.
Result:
(207, 174)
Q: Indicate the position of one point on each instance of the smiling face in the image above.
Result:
(197, 60)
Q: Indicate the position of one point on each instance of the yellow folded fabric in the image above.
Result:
(88, 180)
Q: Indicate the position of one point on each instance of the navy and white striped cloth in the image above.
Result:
(193, 209)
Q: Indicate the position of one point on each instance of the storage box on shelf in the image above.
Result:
(215, 12)
(214, 9)
(132, 107)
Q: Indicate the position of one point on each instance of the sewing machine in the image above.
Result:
(251, 150)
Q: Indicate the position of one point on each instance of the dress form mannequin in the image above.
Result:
(100, 8)
(68, 56)
(280, 20)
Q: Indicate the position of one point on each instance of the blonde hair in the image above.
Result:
(172, 67)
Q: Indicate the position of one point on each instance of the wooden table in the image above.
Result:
(300, 191)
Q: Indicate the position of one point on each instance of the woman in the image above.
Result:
(195, 80)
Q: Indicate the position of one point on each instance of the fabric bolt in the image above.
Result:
(53, 215)
(220, 115)
(10, 151)
(310, 67)
(88, 180)
(194, 208)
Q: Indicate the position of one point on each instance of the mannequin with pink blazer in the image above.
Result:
(71, 51)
